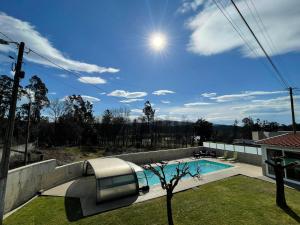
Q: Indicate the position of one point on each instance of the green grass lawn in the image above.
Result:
(237, 200)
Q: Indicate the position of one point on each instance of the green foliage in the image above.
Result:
(204, 129)
(37, 91)
(6, 84)
(149, 111)
(78, 110)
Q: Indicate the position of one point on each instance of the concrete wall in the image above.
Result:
(155, 156)
(24, 182)
(62, 174)
(242, 157)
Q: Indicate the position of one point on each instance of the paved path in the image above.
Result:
(85, 188)
(18, 149)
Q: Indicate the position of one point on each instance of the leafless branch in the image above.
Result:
(181, 170)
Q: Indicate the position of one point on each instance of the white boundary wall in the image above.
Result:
(156, 156)
(24, 182)
(246, 154)
(237, 148)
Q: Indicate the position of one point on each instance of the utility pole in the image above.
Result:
(19, 74)
(27, 133)
(292, 109)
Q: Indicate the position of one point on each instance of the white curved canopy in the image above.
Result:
(109, 167)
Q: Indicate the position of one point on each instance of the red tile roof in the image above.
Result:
(285, 140)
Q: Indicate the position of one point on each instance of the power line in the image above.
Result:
(262, 48)
(266, 35)
(77, 74)
(235, 27)
(263, 26)
(259, 25)
(7, 36)
(223, 10)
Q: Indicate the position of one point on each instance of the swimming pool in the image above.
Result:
(205, 167)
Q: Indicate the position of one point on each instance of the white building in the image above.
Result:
(286, 145)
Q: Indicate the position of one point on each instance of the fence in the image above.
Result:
(236, 148)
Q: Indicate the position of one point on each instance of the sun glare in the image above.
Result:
(158, 41)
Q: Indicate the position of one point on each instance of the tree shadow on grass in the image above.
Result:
(73, 209)
(291, 213)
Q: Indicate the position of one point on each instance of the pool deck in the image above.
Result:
(85, 188)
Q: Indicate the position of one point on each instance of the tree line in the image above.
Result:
(71, 122)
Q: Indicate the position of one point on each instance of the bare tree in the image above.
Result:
(169, 184)
(56, 109)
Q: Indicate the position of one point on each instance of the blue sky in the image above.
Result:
(206, 70)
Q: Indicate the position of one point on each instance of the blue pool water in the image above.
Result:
(204, 165)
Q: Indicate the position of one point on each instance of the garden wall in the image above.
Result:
(156, 156)
(24, 182)
(242, 157)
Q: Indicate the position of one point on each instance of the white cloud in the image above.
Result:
(20, 30)
(269, 107)
(91, 80)
(136, 111)
(52, 93)
(163, 92)
(244, 95)
(277, 105)
(165, 102)
(132, 100)
(212, 33)
(208, 95)
(90, 98)
(195, 104)
(190, 5)
(85, 98)
(127, 94)
(63, 75)
(102, 93)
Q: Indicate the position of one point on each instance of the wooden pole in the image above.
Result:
(10, 128)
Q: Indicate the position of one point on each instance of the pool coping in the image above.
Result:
(192, 159)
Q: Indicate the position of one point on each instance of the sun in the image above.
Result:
(158, 41)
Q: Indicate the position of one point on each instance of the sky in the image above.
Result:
(206, 70)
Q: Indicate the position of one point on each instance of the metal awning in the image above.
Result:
(136, 167)
(114, 177)
(109, 167)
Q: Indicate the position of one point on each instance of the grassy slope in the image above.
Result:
(72, 154)
(236, 200)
